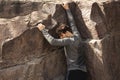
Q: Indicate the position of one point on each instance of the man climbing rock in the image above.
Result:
(70, 39)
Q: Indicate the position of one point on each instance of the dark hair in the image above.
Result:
(60, 30)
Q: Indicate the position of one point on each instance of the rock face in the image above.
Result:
(26, 55)
(103, 54)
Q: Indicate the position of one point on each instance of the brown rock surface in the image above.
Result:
(103, 54)
(26, 55)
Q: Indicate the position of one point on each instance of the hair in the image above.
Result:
(60, 30)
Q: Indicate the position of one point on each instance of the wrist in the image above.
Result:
(40, 27)
(66, 8)
(44, 31)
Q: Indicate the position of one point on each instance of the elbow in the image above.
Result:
(52, 42)
(78, 36)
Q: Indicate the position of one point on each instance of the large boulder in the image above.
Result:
(26, 55)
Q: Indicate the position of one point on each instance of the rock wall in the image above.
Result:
(26, 55)
(103, 52)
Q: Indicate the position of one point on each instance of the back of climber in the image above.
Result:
(70, 39)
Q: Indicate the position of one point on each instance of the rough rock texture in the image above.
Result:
(26, 55)
(103, 53)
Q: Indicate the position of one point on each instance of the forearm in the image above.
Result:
(47, 36)
(72, 22)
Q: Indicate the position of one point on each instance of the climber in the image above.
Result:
(70, 39)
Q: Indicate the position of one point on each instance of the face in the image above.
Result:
(62, 35)
(67, 34)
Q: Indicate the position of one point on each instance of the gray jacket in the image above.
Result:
(75, 60)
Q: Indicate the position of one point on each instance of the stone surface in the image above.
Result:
(25, 52)
(26, 55)
(103, 54)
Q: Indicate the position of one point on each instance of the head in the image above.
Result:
(64, 31)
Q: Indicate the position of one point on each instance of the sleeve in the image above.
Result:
(72, 23)
(57, 42)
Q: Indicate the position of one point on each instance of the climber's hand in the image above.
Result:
(40, 26)
(65, 6)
